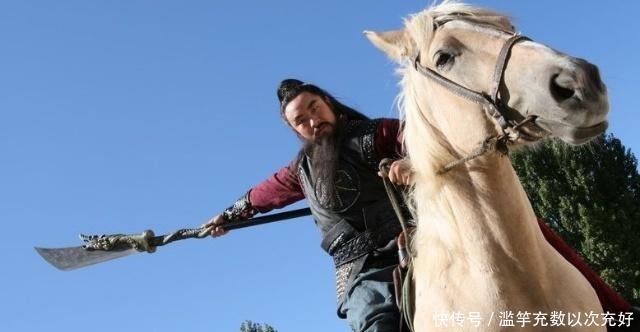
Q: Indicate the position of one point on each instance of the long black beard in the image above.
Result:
(324, 156)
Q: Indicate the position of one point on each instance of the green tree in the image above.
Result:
(249, 326)
(590, 195)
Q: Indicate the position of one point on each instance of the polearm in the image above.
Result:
(101, 248)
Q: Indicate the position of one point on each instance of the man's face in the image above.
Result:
(310, 116)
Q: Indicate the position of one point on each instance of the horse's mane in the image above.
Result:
(421, 25)
(422, 139)
(426, 146)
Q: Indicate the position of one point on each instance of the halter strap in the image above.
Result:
(502, 62)
(490, 103)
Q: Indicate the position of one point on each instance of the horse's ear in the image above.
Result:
(394, 43)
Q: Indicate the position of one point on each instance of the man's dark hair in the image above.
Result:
(290, 88)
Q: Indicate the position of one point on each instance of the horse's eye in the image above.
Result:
(443, 60)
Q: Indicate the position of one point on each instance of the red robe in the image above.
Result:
(611, 301)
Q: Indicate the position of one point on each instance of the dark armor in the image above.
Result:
(358, 224)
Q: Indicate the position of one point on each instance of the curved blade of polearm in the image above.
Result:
(72, 258)
(98, 249)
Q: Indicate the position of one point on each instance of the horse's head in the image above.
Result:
(562, 96)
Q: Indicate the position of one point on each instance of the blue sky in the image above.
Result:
(119, 116)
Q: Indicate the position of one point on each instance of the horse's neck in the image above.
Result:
(486, 214)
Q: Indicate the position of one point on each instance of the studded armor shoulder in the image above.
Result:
(365, 131)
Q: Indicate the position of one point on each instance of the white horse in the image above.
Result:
(470, 88)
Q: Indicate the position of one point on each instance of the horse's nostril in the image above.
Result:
(562, 87)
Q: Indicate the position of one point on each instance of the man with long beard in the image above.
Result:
(337, 171)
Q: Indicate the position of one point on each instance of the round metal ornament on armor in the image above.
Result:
(345, 193)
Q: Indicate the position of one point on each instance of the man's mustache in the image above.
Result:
(325, 133)
(321, 125)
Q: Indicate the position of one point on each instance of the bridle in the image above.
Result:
(491, 103)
